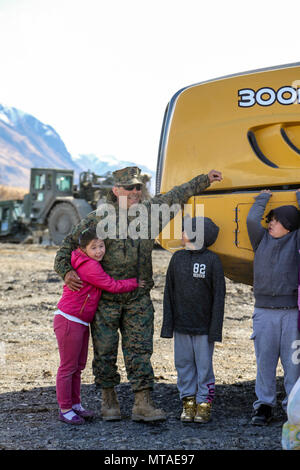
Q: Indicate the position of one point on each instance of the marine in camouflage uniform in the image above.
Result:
(130, 313)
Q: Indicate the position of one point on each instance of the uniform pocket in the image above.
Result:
(148, 312)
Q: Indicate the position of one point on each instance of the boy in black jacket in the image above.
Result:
(194, 309)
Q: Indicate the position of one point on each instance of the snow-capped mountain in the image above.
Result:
(109, 163)
(26, 142)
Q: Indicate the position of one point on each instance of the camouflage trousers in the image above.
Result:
(134, 320)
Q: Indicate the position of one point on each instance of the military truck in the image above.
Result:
(247, 126)
(12, 228)
(53, 202)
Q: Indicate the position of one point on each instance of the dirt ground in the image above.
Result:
(29, 291)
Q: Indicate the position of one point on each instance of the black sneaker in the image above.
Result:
(262, 416)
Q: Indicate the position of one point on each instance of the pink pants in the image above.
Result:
(73, 340)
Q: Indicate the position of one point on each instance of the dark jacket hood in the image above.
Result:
(205, 229)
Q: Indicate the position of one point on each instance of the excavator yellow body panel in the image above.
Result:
(248, 127)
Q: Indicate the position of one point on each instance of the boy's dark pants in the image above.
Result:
(135, 321)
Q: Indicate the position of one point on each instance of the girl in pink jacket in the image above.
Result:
(71, 322)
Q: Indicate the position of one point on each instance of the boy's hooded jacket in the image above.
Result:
(276, 260)
(83, 303)
(195, 291)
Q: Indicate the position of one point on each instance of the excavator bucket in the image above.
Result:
(247, 126)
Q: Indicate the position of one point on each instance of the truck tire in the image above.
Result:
(61, 221)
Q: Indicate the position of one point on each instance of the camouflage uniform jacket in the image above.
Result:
(128, 257)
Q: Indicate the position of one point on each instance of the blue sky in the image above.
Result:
(101, 72)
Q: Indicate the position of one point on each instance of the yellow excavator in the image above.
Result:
(247, 126)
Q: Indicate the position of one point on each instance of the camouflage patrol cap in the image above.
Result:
(127, 176)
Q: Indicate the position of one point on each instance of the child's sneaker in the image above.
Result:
(189, 409)
(262, 416)
(203, 412)
(80, 411)
(70, 417)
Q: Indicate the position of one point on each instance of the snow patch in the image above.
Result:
(4, 118)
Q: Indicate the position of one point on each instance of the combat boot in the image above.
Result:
(189, 409)
(110, 408)
(202, 412)
(144, 409)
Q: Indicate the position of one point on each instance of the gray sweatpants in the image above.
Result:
(275, 335)
(193, 361)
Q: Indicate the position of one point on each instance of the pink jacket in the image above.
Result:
(83, 303)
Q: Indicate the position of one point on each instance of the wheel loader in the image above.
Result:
(247, 126)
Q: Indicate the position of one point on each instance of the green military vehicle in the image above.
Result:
(12, 229)
(53, 202)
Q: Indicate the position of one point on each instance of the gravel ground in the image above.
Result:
(29, 291)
